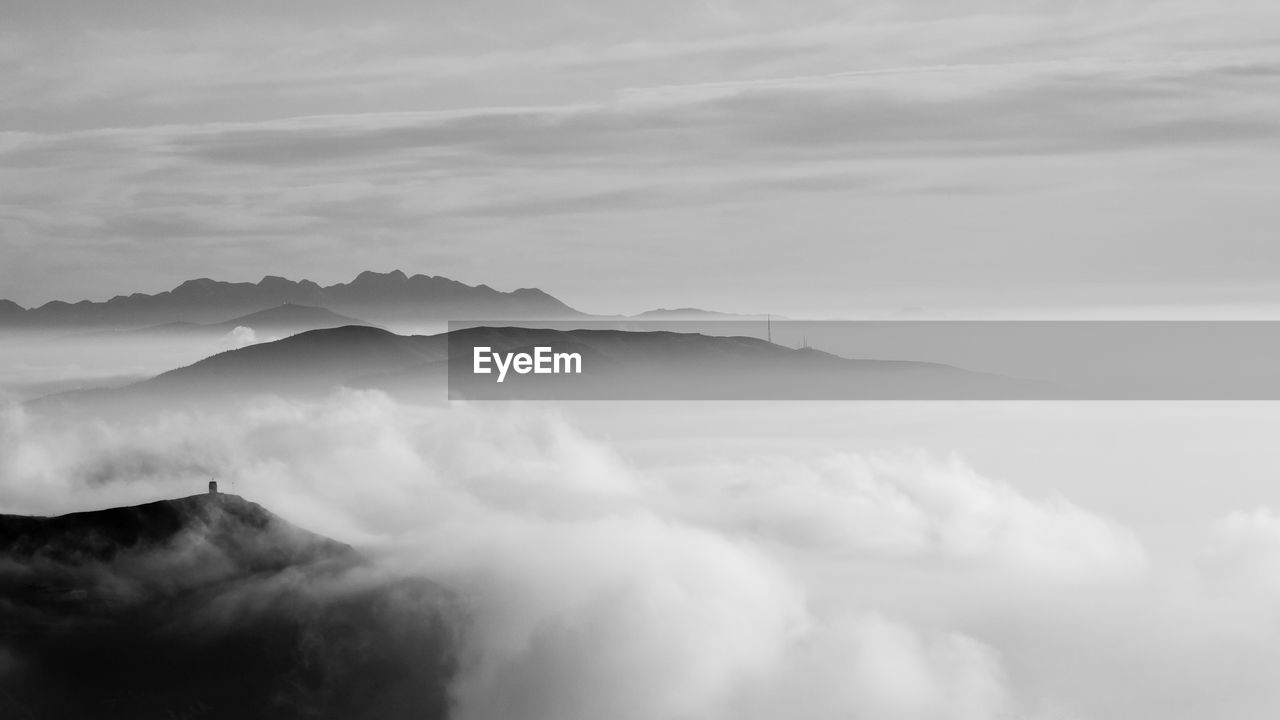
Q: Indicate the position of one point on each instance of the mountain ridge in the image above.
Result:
(381, 297)
(617, 364)
(223, 519)
(273, 322)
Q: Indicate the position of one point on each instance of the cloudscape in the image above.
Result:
(610, 360)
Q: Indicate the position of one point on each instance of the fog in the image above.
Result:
(39, 363)
(616, 562)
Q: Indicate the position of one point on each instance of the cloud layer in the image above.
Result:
(755, 585)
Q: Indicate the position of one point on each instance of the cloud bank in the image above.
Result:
(813, 586)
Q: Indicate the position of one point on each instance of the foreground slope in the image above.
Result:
(210, 606)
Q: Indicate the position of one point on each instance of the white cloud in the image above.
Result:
(911, 508)
(1242, 557)
(238, 337)
(597, 587)
(871, 667)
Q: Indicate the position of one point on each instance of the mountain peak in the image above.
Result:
(198, 287)
(291, 316)
(198, 282)
(269, 282)
(369, 276)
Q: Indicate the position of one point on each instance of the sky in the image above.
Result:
(805, 157)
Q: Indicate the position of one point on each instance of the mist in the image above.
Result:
(747, 584)
(38, 363)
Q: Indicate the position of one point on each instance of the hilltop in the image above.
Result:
(211, 606)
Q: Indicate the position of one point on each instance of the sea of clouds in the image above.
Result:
(906, 586)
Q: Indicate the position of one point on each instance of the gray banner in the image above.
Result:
(871, 360)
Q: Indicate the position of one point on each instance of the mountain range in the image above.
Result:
(391, 297)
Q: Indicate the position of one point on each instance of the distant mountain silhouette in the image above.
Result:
(616, 364)
(315, 360)
(379, 297)
(210, 606)
(279, 321)
(289, 318)
(690, 313)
